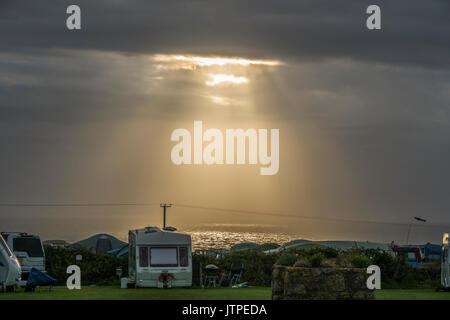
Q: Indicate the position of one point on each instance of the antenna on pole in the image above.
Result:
(164, 206)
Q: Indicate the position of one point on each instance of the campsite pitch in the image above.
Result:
(116, 293)
(251, 293)
(411, 294)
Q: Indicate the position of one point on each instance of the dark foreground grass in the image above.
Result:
(411, 294)
(115, 293)
(251, 293)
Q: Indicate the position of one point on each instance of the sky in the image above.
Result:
(86, 116)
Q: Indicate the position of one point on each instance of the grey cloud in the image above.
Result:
(415, 32)
(364, 115)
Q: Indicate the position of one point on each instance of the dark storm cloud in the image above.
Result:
(82, 112)
(414, 31)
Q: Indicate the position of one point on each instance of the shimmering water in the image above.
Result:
(226, 236)
(226, 239)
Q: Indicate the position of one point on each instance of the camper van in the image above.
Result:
(9, 267)
(29, 251)
(159, 258)
(445, 262)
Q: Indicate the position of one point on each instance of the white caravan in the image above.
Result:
(159, 258)
(9, 267)
(29, 252)
(445, 262)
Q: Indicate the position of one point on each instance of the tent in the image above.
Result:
(99, 243)
(120, 251)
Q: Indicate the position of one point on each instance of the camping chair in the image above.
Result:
(236, 271)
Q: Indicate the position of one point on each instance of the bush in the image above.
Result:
(257, 265)
(287, 259)
(386, 261)
(95, 268)
(328, 253)
(315, 261)
(359, 261)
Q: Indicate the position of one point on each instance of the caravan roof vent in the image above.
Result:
(151, 229)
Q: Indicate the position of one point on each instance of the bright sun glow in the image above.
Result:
(191, 62)
(214, 70)
(225, 78)
(220, 100)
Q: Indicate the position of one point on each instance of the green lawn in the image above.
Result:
(115, 293)
(251, 293)
(411, 294)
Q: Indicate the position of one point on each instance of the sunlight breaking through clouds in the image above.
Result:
(167, 61)
(225, 78)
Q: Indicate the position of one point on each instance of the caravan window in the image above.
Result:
(32, 246)
(163, 257)
(411, 256)
(143, 257)
(184, 259)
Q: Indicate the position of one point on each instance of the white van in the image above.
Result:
(159, 258)
(9, 267)
(445, 262)
(29, 252)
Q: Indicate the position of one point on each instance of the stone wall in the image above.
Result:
(298, 283)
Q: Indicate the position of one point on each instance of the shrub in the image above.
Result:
(302, 262)
(95, 268)
(315, 261)
(385, 260)
(328, 253)
(287, 259)
(257, 265)
(359, 261)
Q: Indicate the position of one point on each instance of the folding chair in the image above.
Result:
(236, 271)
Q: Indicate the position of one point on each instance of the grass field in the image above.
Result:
(252, 293)
(115, 293)
(411, 294)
